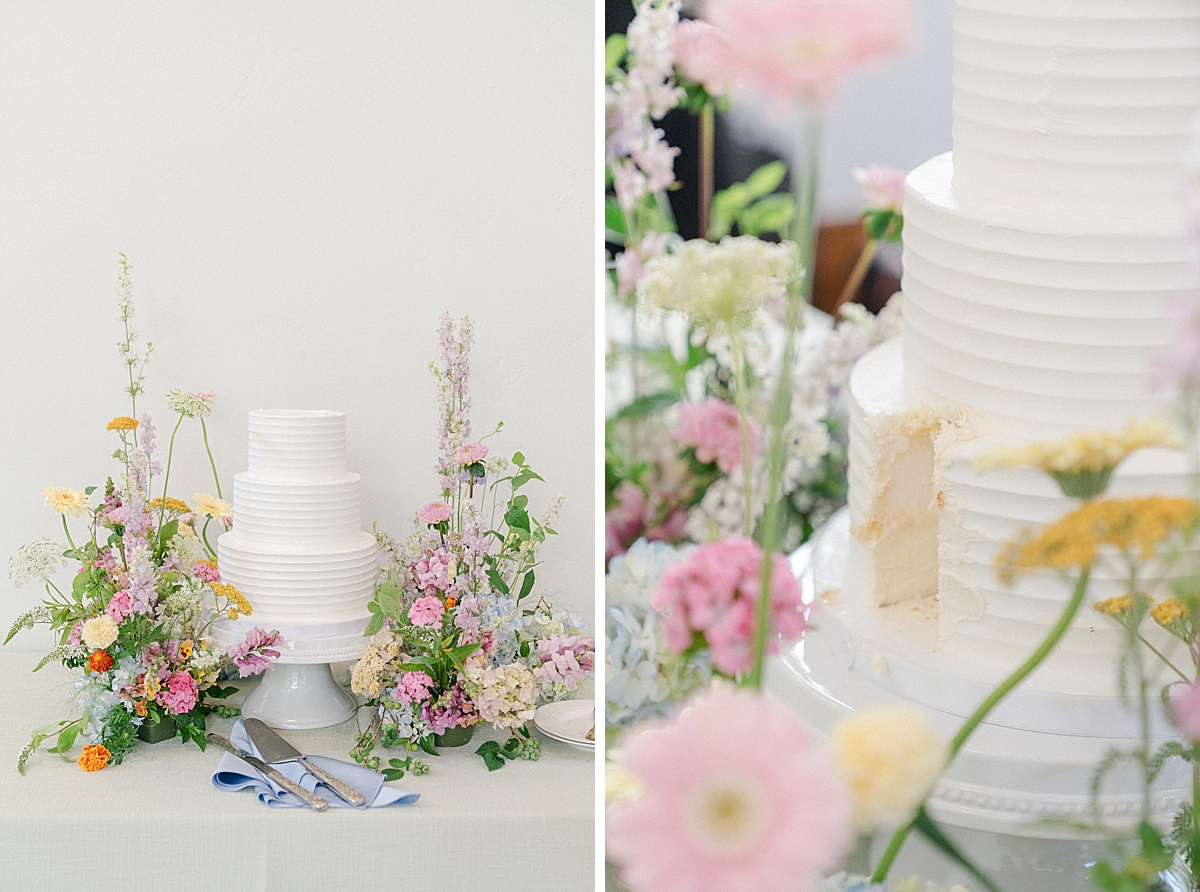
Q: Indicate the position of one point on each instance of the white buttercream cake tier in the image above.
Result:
(1074, 109)
(295, 445)
(281, 515)
(1039, 327)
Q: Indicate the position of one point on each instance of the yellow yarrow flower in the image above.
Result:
(231, 594)
(1114, 606)
(1136, 526)
(122, 423)
(173, 504)
(1168, 612)
(211, 506)
(65, 500)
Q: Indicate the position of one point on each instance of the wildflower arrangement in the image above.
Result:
(456, 637)
(699, 329)
(134, 620)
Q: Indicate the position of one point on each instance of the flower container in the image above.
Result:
(459, 735)
(152, 733)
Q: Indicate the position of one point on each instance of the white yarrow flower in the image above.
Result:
(193, 405)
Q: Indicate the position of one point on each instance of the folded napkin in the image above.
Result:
(235, 774)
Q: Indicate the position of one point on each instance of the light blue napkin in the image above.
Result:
(235, 774)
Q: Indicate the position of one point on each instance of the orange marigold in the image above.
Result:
(100, 661)
(94, 757)
(122, 423)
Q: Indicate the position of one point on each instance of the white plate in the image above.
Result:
(568, 721)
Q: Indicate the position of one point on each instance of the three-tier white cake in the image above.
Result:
(297, 549)
(1037, 259)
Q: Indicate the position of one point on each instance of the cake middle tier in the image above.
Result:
(323, 585)
(297, 517)
(1035, 328)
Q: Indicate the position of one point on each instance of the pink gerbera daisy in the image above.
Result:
(736, 795)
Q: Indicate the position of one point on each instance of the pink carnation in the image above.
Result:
(414, 687)
(883, 187)
(1185, 707)
(471, 453)
(426, 611)
(715, 592)
(180, 693)
(798, 50)
(206, 572)
(434, 512)
(712, 427)
(119, 607)
(738, 794)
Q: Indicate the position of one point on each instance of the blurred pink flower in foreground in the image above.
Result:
(715, 592)
(1185, 706)
(795, 50)
(701, 52)
(883, 187)
(736, 794)
(1177, 367)
(712, 427)
(638, 516)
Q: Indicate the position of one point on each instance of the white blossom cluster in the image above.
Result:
(38, 559)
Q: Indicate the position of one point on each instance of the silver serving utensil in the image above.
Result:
(314, 801)
(275, 749)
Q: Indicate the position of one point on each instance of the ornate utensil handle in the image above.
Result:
(314, 801)
(347, 792)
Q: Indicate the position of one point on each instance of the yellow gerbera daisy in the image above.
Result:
(65, 500)
(211, 506)
(122, 423)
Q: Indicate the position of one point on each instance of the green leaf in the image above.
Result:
(66, 739)
(392, 774)
(519, 458)
(766, 179)
(646, 405)
(933, 833)
(517, 519)
(170, 528)
(614, 52)
(497, 583)
(88, 490)
(526, 585)
(490, 752)
(426, 743)
(771, 214)
(521, 502)
(375, 625)
(614, 222)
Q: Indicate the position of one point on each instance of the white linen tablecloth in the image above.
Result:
(156, 820)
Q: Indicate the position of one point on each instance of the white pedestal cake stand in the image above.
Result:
(300, 692)
(1017, 796)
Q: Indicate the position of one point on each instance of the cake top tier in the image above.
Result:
(1075, 108)
(297, 444)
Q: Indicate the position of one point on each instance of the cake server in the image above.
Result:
(275, 749)
(314, 801)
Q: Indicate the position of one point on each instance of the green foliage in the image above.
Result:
(614, 52)
(47, 732)
(120, 733)
(397, 768)
(1140, 873)
(191, 726)
(752, 206)
(883, 225)
(933, 833)
(519, 746)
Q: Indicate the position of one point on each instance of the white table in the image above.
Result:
(156, 821)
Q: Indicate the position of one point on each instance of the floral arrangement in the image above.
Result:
(134, 620)
(456, 638)
(699, 329)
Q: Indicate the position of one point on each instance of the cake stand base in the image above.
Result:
(297, 696)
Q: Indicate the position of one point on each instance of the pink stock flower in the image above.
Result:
(255, 653)
(434, 512)
(119, 607)
(414, 687)
(426, 611)
(883, 187)
(116, 516)
(179, 694)
(715, 592)
(206, 572)
(1185, 707)
(76, 633)
(471, 453)
(801, 50)
(737, 794)
(712, 427)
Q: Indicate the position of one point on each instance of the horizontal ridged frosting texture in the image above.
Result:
(1040, 328)
(1075, 108)
(297, 444)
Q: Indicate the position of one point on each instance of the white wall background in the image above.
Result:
(303, 188)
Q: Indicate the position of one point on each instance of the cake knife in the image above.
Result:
(275, 749)
(314, 801)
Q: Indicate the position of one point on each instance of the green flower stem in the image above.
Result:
(1162, 657)
(706, 167)
(1060, 629)
(739, 396)
(204, 536)
(162, 510)
(67, 530)
(1194, 861)
(211, 460)
(799, 294)
(859, 272)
